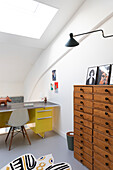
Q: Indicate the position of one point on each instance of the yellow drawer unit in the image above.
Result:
(43, 120)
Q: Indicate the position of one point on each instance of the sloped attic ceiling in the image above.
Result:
(18, 53)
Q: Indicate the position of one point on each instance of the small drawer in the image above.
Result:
(103, 98)
(103, 161)
(83, 161)
(104, 106)
(104, 130)
(103, 153)
(83, 109)
(83, 96)
(83, 142)
(82, 102)
(103, 122)
(103, 114)
(83, 128)
(82, 148)
(83, 135)
(106, 147)
(103, 90)
(103, 137)
(99, 166)
(83, 89)
(83, 155)
(83, 115)
(83, 122)
(40, 113)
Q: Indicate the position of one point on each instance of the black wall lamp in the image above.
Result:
(72, 42)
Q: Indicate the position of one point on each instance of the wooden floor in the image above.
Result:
(52, 143)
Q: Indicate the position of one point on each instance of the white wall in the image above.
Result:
(71, 68)
(11, 89)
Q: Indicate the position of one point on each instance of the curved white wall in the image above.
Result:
(72, 67)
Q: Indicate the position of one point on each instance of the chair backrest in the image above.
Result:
(18, 117)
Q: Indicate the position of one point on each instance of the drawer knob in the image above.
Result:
(106, 123)
(107, 131)
(81, 160)
(81, 147)
(106, 113)
(80, 134)
(81, 128)
(106, 147)
(106, 107)
(81, 108)
(81, 102)
(81, 121)
(106, 139)
(81, 154)
(106, 98)
(81, 95)
(81, 141)
(81, 89)
(81, 115)
(106, 90)
(106, 164)
(106, 156)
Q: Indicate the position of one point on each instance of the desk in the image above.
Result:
(40, 114)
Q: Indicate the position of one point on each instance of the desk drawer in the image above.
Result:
(103, 114)
(83, 115)
(83, 135)
(44, 113)
(83, 161)
(103, 153)
(83, 96)
(104, 130)
(44, 125)
(83, 89)
(104, 106)
(103, 137)
(83, 109)
(103, 90)
(83, 155)
(83, 122)
(83, 128)
(82, 148)
(103, 122)
(82, 102)
(103, 161)
(103, 98)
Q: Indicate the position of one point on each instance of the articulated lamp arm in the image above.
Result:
(72, 42)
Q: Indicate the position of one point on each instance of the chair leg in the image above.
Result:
(8, 134)
(27, 135)
(22, 131)
(11, 139)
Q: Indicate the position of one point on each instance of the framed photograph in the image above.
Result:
(111, 75)
(103, 75)
(54, 75)
(91, 75)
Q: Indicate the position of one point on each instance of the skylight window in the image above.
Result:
(25, 17)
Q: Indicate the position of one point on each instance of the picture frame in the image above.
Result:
(111, 75)
(91, 75)
(103, 76)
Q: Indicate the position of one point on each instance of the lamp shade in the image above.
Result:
(72, 42)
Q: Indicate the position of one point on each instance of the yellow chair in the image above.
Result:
(17, 121)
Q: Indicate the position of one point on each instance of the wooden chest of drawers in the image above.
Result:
(93, 126)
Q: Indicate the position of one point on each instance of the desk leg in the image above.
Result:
(41, 134)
